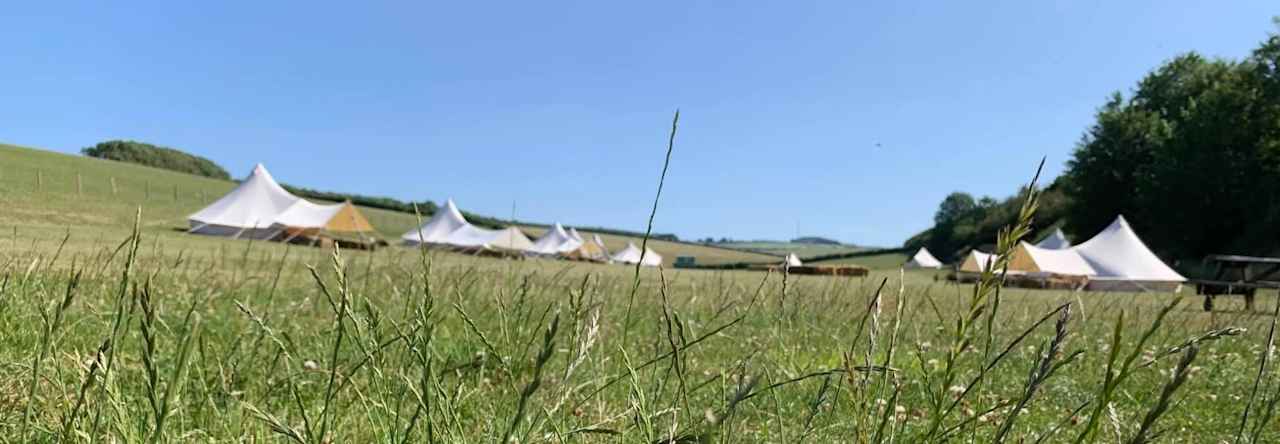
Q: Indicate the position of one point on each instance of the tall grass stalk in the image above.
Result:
(988, 283)
(644, 242)
(1263, 361)
(1147, 432)
(119, 320)
(548, 348)
(1118, 372)
(51, 324)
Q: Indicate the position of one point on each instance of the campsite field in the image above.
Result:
(117, 335)
(55, 191)
(451, 346)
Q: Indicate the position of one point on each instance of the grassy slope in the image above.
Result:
(56, 205)
(887, 261)
(802, 250)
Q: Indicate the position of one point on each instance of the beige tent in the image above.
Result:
(313, 222)
(975, 261)
(1030, 259)
(589, 251)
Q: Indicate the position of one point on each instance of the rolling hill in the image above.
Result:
(49, 193)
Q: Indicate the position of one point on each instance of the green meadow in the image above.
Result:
(119, 327)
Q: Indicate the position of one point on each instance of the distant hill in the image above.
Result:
(816, 240)
(802, 249)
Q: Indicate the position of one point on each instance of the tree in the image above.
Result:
(156, 156)
(955, 206)
(1191, 157)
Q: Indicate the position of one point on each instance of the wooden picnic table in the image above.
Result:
(1242, 275)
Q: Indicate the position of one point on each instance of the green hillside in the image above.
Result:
(886, 261)
(46, 193)
(804, 250)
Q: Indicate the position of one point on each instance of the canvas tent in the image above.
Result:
(1114, 260)
(437, 229)
(555, 241)
(1030, 259)
(573, 233)
(632, 255)
(595, 239)
(449, 228)
(792, 260)
(923, 259)
(1124, 263)
(587, 251)
(259, 208)
(309, 221)
(248, 211)
(1055, 241)
(975, 261)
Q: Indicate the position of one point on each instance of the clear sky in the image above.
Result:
(845, 119)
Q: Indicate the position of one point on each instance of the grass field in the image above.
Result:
(886, 261)
(783, 248)
(154, 336)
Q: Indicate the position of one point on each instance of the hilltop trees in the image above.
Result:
(1191, 156)
(962, 222)
(156, 156)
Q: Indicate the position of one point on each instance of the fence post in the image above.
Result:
(113, 185)
(175, 192)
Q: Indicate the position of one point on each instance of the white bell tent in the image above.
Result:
(259, 208)
(792, 260)
(555, 241)
(248, 211)
(437, 229)
(573, 233)
(449, 228)
(1115, 259)
(633, 255)
(1124, 263)
(1055, 241)
(923, 259)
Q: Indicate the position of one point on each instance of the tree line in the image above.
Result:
(1191, 157)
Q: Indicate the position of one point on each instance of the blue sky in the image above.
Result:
(834, 118)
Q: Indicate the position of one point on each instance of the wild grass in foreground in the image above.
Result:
(131, 343)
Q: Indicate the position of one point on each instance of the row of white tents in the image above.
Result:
(1115, 259)
(449, 228)
(259, 208)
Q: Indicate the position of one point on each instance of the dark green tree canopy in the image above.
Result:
(156, 156)
(1191, 157)
(955, 206)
